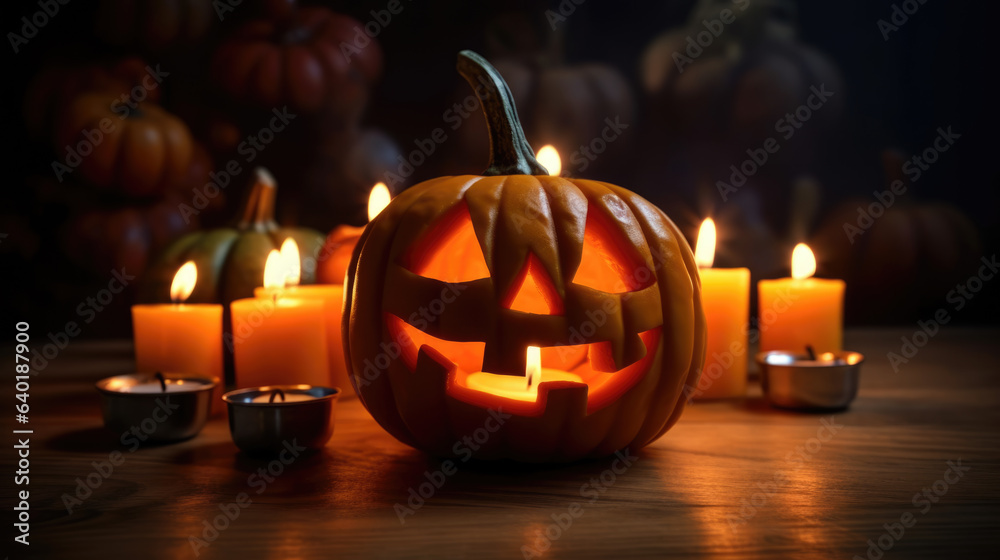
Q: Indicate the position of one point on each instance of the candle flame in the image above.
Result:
(548, 156)
(533, 365)
(378, 200)
(184, 281)
(704, 249)
(291, 262)
(803, 262)
(274, 271)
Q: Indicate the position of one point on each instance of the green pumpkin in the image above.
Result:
(231, 260)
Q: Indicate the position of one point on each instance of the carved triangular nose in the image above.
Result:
(533, 291)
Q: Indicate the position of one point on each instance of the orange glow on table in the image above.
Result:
(180, 337)
(799, 311)
(725, 297)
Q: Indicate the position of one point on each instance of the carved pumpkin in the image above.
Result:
(231, 260)
(459, 276)
(931, 245)
(153, 24)
(139, 152)
(297, 61)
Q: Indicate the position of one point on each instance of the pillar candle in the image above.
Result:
(799, 311)
(725, 297)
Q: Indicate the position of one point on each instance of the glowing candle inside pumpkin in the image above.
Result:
(548, 156)
(280, 336)
(332, 267)
(801, 310)
(517, 387)
(180, 337)
(725, 298)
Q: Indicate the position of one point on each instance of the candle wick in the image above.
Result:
(275, 393)
(163, 382)
(811, 352)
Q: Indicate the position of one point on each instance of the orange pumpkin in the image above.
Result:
(298, 61)
(140, 152)
(459, 276)
(55, 87)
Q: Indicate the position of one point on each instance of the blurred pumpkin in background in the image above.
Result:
(296, 57)
(153, 24)
(142, 151)
(102, 238)
(900, 258)
(58, 83)
(734, 81)
(231, 260)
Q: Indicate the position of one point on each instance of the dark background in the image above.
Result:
(936, 71)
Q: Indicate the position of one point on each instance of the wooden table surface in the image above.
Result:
(731, 480)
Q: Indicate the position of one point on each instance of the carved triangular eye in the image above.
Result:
(449, 251)
(533, 291)
(608, 263)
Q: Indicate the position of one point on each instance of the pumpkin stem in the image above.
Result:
(258, 208)
(510, 153)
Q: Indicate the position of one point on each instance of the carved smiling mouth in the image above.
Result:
(459, 360)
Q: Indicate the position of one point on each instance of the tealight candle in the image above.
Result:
(165, 407)
(516, 387)
(725, 297)
(801, 311)
(180, 337)
(273, 418)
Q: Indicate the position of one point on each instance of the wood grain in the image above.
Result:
(685, 495)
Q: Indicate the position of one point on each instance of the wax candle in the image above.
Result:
(725, 297)
(801, 310)
(181, 337)
(278, 338)
(333, 262)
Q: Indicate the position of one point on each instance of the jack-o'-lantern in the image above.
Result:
(549, 319)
